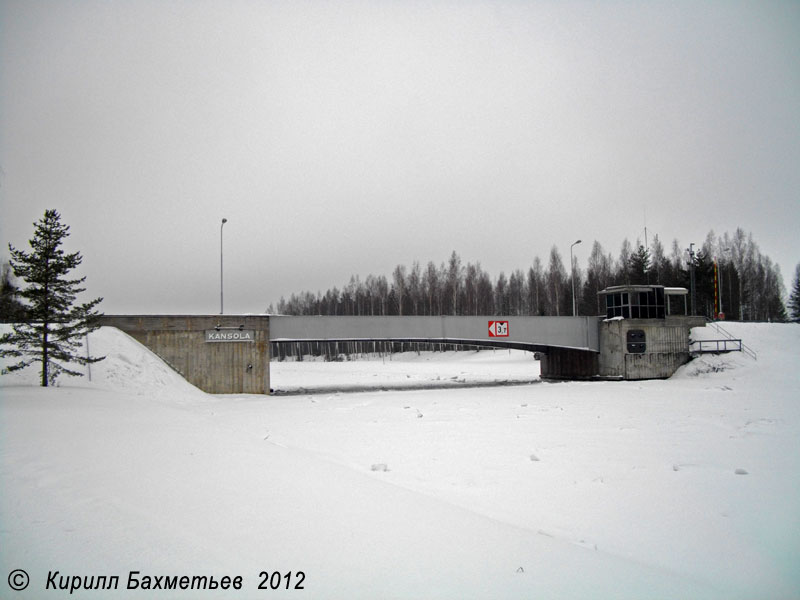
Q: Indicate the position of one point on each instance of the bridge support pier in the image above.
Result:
(567, 363)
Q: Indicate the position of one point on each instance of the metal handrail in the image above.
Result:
(744, 347)
(718, 345)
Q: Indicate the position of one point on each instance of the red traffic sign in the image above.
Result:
(498, 328)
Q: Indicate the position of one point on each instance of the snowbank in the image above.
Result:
(128, 367)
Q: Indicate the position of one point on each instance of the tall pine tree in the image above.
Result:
(53, 330)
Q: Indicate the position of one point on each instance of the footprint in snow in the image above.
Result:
(678, 467)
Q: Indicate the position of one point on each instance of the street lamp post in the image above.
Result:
(220, 264)
(572, 271)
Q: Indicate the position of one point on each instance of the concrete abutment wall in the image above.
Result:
(216, 367)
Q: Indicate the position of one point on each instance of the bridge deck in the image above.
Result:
(527, 333)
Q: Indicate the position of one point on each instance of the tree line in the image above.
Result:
(749, 283)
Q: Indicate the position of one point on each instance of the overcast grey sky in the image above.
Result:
(344, 138)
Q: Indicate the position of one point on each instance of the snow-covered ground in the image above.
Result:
(683, 488)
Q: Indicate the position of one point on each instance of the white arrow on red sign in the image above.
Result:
(498, 328)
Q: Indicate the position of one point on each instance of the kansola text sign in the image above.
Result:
(230, 335)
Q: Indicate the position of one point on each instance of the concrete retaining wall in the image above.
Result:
(216, 367)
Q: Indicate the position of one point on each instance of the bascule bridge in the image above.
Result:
(639, 337)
